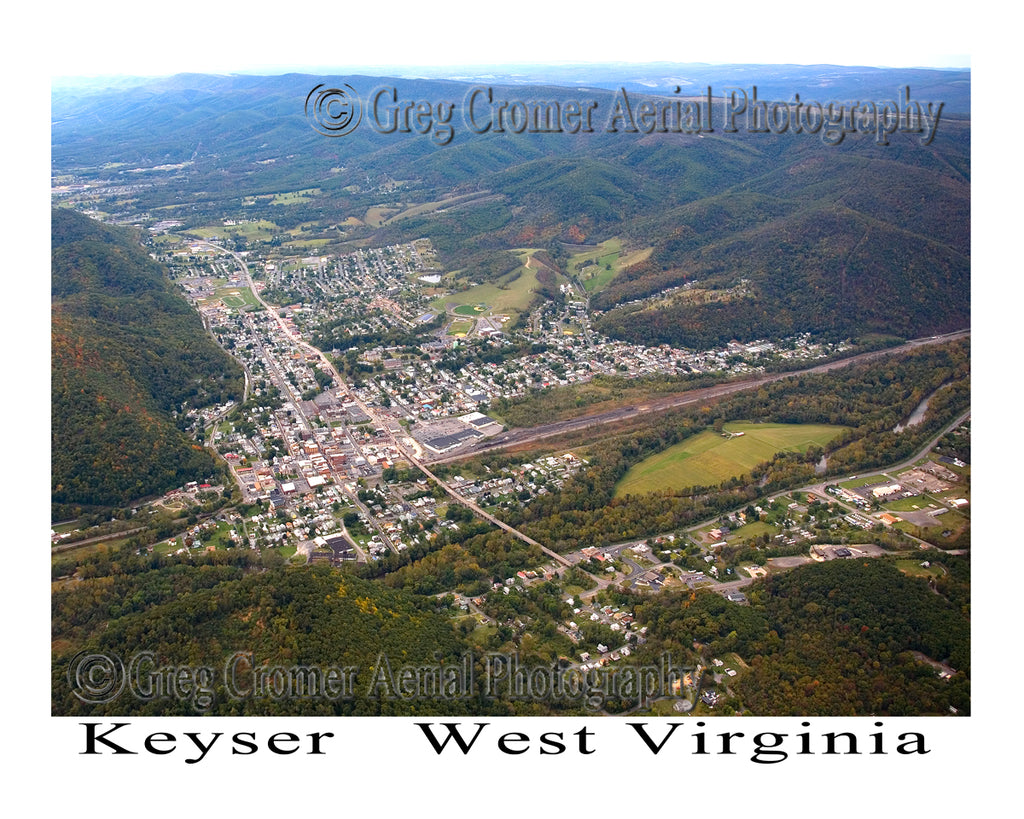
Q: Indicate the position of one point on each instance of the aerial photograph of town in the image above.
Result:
(543, 405)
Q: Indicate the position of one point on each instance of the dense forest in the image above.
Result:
(841, 638)
(844, 637)
(201, 612)
(128, 356)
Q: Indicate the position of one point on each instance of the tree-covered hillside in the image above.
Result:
(127, 352)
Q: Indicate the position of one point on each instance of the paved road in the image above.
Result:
(378, 422)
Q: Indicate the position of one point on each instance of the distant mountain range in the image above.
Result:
(952, 86)
(782, 233)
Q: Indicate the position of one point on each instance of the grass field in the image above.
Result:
(470, 309)
(237, 297)
(597, 267)
(294, 197)
(866, 481)
(375, 217)
(460, 328)
(915, 569)
(262, 229)
(754, 529)
(297, 244)
(512, 293)
(915, 504)
(708, 458)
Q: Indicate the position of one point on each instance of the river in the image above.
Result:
(917, 416)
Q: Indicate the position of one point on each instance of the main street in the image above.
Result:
(278, 377)
(378, 421)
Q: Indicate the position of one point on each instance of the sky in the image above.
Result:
(128, 38)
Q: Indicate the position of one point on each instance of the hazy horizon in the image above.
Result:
(456, 71)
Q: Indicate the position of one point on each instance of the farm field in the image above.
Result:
(294, 197)
(709, 458)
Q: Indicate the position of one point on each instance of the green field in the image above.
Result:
(596, 267)
(237, 297)
(751, 530)
(470, 309)
(512, 293)
(460, 328)
(297, 244)
(262, 229)
(708, 458)
(294, 197)
(918, 503)
(868, 480)
(915, 569)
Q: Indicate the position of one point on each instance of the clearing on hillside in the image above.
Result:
(512, 293)
(595, 267)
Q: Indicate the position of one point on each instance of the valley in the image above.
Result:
(537, 395)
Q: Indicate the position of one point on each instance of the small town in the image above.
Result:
(339, 466)
(305, 439)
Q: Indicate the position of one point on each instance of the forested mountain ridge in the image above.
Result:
(126, 352)
(781, 233)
